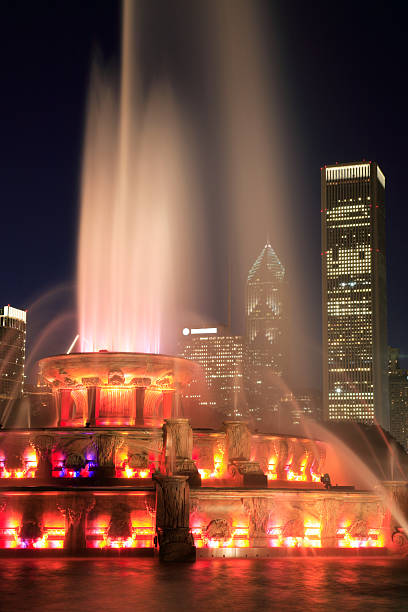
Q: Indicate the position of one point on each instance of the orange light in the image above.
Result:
(197, 531)
(374, 539)
(297, 477)
(218, 464)
(134, 473)
(240, 531)
(42, 543)
(271, 473)
(129, 472)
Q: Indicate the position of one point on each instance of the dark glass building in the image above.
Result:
(355, 355)
(398, 389)
(266, 333)
(12, 356)
(301, 403)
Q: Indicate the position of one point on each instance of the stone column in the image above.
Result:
(140, 398)
(178, 450)
(43, 446)
(238, 439)
(167, 404)
(93, 395)
(64, 402)
(75, 509)
(172, 518)
(247, 473)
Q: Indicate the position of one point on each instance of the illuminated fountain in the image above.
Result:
(121, 469)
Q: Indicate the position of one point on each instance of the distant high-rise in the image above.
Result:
(398, 389)
(300, 403)
(221, 357)
(355, 357)
(12, 355)
(265, 333)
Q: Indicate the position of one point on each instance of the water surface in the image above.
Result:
(240, 584)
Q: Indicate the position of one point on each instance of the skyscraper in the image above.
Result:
(300, 403)
(12, 355)
(265, 333)
(398, 388)
(221, 357)
(355, 356)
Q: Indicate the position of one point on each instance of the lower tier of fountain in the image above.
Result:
(183, 492)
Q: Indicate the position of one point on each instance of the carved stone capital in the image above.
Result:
(106, 445)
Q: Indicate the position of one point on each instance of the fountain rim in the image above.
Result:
(136, 363)
(106, 352)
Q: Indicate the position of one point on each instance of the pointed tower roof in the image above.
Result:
(267, 266)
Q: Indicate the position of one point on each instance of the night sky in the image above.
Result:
(339, 73)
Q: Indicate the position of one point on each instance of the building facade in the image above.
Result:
(266, 333)
(12, 356)
(221, 357)
(355, 356)
(301, 403)
(398, 390)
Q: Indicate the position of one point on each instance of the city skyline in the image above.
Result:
(52, 93)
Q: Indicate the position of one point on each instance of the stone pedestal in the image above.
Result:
(247, 473)
(174, 538)
(178, 449)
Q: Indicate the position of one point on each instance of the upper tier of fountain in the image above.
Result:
(105, 389)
